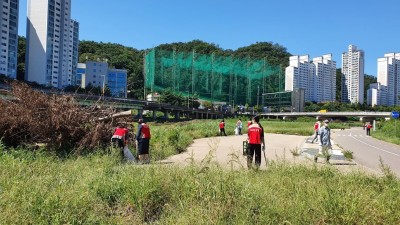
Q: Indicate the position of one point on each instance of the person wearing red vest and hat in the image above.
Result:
(143, 138)
(120, 137)
(255, 139)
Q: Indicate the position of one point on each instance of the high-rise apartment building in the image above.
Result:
(317, 78)
(324, 83)
(353, 75)
(389, 77)
(299, 74)
(9, 38)
(52, 43)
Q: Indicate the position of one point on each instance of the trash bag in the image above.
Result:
(237, 131)
(128, 155)
(245, 148)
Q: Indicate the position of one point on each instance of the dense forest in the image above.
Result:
(122, 57)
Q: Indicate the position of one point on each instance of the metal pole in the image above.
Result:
(193, 69)
(258, 95)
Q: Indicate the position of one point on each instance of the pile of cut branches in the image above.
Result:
(56, 121)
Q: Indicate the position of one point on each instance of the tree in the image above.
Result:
(168, 96)
(339, 84)
(368, 79)
(208, 105)
(21, 58)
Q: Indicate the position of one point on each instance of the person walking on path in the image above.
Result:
(120, 137)
(143, 141)
(239, 126)
(369, 126)
(316, 129)
(324, 142)
(256, 143)
(222, 128)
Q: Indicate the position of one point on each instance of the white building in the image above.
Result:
(389, 76)
(353, 75)
(324, 84)
(9, 38)
(317, 78)
(377, 94)
(299, 74)
(52, 43)
(97, 74)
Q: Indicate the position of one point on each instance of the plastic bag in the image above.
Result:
(237, 131)
(128, 154)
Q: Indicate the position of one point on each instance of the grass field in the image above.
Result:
(388, 131)
(39, 188)
(98, 189)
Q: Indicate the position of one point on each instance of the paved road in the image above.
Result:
(367, 150)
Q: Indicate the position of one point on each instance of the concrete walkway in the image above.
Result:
(309, 150)
(226, 152)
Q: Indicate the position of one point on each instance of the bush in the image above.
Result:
(56, 121)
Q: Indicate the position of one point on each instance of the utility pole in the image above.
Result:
(188, 99)
(258, 95)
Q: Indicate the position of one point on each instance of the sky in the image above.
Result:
(313, 27)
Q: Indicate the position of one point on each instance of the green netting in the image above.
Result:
(216, 78)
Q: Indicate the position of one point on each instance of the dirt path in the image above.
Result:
(227, 151)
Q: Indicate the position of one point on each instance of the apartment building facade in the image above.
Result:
(52, 43)
(389, 77)
(377, 94)
(9, 38)
(353, 75)
(317, 77)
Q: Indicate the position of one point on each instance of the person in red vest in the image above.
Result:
(316, 129)
(369, 126)
(120, 137)
(256, 142)
(143, 139)
(222, 127)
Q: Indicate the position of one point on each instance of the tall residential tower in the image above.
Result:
(353, 75)
(9, 38)
(52, 43)
(389, 76)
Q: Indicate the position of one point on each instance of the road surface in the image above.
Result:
(368, 150)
